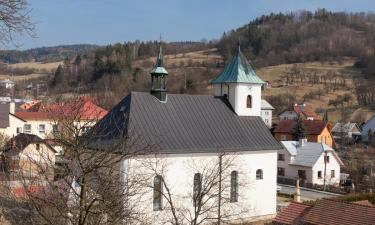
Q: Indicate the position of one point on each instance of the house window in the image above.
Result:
(27, 128)
(234, 186)
(283, 137)
(42, 128)
(259, 174)
(266, 113)
(319, 174)
(280, 171)
(266, 121)
(158, 192)
(332, 173)
(37, 146)
(249, 102)
(19, 130)
(326, 159)
(281, 157)
(197, 186)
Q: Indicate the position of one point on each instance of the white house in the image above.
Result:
(368, 127)
(266, 112)
(10, 124)
(6, 83)
(192, 134)
(314, 163)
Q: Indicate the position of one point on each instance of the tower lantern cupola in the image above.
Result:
(159, 79)
(242, 87)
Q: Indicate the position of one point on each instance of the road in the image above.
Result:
(307, 194)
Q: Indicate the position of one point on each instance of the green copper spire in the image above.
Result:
(238, 70)
(159, 78)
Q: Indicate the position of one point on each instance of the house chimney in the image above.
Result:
(12, 107)
(297, 192)
(302, 142)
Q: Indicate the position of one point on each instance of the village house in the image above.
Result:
(314, 163)
(43, 120)
(190, 131)
(27, 156)
(306, 112)
(266, 112)
(345, 133)
(368, 128)
(6, 83)
(327, 211)
(10, 124)
(316, 130)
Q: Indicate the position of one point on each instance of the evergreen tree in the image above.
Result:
(57, 78)
(299, 130)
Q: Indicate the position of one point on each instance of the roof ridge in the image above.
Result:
(346, 202)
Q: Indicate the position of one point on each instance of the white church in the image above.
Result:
(213, 157)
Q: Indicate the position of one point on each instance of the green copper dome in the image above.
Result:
(238, 70)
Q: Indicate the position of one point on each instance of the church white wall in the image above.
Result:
(238, 98)
(256, 197)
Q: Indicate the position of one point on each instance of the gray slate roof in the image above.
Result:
(308, 154)
(184, 124)
(266, 105)
(345, 127)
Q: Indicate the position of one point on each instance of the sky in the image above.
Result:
(111, 21)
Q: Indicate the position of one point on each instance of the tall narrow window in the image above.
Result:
(259, 174)
(234, 186)
(249, 102)
(197, 188)
(158, 192)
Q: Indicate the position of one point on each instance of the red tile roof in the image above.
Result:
(364, 202)
(312, 126)
(304, 111)
(334, 212)
(327, 212)
(82, 108)
(292, 214)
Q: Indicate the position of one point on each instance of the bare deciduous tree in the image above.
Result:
(14, 20)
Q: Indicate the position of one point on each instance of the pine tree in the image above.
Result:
(58, 76)
(299, 130)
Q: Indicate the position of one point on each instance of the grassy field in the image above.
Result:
(37, 65)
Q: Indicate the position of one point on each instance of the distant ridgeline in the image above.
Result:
(45, 54)
(302, 36)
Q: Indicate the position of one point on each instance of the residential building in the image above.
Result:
(6, 83)
(28, 156)
(314, 163)
(10, 124)
(316, 130)
(188, 132)
(266, 112)
(306, 112)
(368, 128)
(346, 132)
(327, 211)
(43, 120)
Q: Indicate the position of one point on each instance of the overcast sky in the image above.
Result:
(110, 21)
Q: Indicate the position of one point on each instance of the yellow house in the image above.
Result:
(316, 131)
(28, 156)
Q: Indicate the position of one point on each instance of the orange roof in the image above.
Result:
(304, 111)
(292, 214)
(82, 108)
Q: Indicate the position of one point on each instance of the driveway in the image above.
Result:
(307, 194)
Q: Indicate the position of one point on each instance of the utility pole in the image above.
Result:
(325, 169)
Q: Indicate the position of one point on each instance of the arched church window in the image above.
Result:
(259, 174)
(249, 102)
(158, 192)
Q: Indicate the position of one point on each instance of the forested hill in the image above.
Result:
(302, 36)
(45, 54)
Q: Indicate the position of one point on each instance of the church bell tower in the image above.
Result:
(159, 79)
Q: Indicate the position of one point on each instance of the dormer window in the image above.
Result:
(249, 101)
